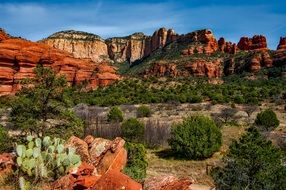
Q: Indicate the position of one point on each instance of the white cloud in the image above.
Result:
(35, 21)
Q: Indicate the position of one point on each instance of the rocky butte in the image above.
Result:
(82, 56)
(199, 47)
(19, 57)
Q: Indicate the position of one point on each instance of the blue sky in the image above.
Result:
(232, 19)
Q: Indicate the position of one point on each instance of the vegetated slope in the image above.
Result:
(199, 54)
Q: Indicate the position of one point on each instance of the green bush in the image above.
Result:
(252, 163)
(197, 137)
(137, 161)
(267, 119)
(133, 130)
(115, 115)
(5, 141)
(143, 111)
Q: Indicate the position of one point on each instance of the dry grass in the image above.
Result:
(197, 170)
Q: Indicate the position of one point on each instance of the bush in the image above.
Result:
(5, 141)
(137, 162)
(197, 137)
(267, 119)
(133, 130)
(143, 111)
(115, 115)
(252, 163)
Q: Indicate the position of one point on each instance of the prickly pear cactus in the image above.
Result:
(45, 158)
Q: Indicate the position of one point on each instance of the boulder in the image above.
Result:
(6, 163)
(115, 180)
(81, 148)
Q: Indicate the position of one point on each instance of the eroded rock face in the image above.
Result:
(282, 44)
(119, 49)
(257, 42)
(204, 42)
(161, 69)
(3, 35)
(201, 68)
(259, 61)
(226, 47)
(130, 48)
(81, 44)
(19, 57)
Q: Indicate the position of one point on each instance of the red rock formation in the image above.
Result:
(115, 180)
(3, 35)
(167, 183)
(120, 49)
(203, 41)
(102, 171)
(19, 57)
(260, 60)
(162, 37)
(226, 47)
(282, 44)
(257, 42)
(161, 69)
(200, 68)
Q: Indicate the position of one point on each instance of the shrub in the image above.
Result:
(252, 163)
(133, 130)
(115, 115)
(5, 141)
(45, 159)
(197, 137)
(267, 119)
(143, 111)
(137, 162)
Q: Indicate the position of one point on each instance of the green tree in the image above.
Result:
(137, 161)
(252, 163)
(267, 119)
(133, 130)
(40, 107)
(197, 137)
(115, 115)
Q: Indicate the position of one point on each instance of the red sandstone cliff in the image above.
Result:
(19, 57)
(257, 42)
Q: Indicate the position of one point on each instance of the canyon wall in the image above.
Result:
(19, 57)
